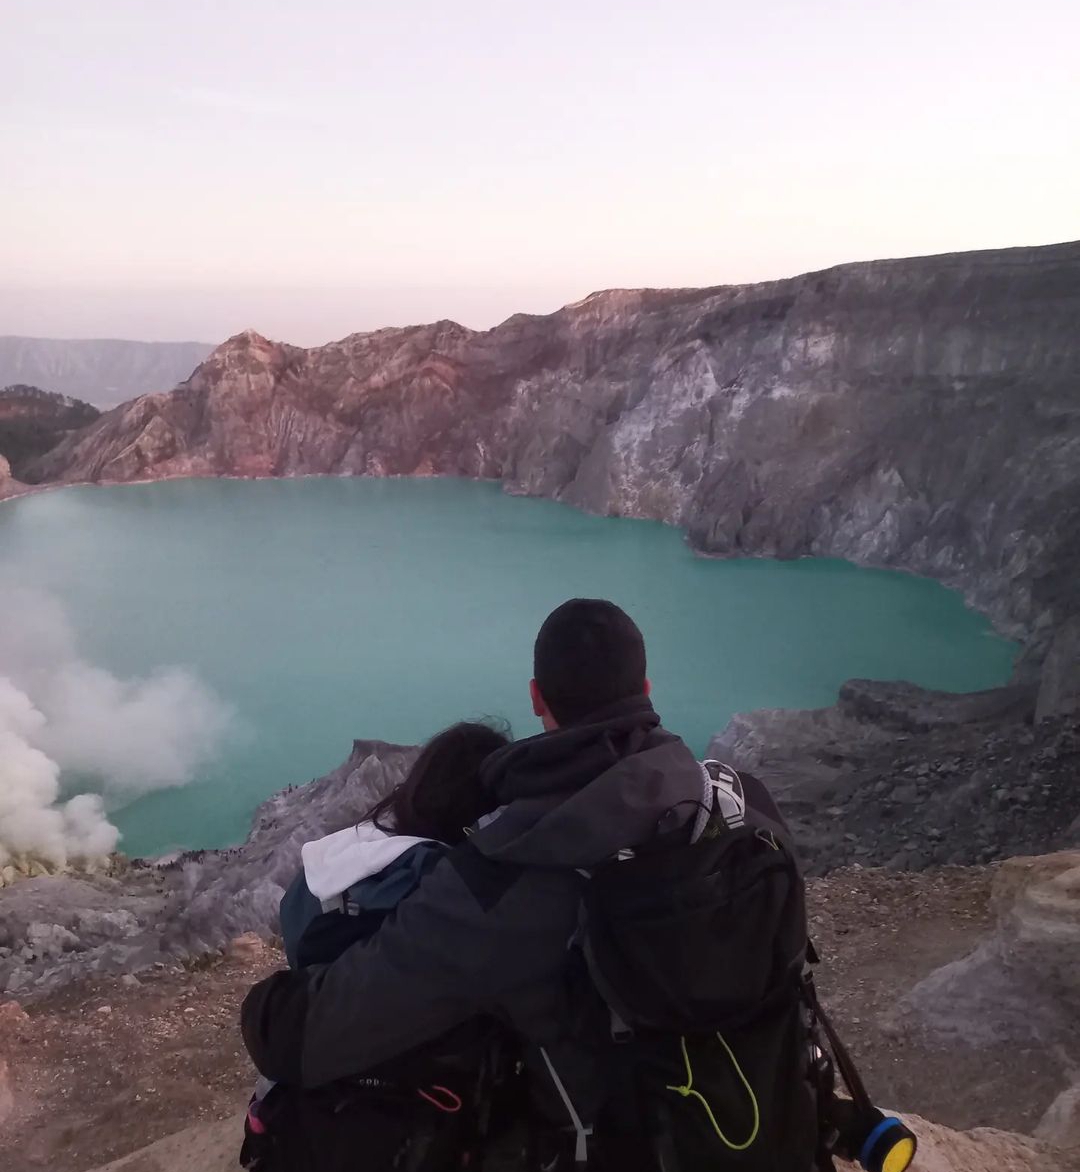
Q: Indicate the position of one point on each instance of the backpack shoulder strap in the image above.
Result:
(844, 1062)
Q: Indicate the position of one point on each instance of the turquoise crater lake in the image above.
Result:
(326, 609)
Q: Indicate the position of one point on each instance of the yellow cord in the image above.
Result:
(688, 1092)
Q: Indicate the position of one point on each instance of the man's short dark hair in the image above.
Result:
(589, 653)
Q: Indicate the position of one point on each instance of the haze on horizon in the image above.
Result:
(183, 173)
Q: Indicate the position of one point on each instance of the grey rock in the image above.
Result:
(962, 768)
(1059, 691)
(1060, 1125)
(49, 940)
(1021, 985)
(91, 923)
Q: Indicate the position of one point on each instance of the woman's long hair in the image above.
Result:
(441, 795)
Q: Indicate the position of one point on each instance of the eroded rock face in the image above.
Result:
(1060, 1125)
(1023, 982)
(917, 413)
(1059, 691)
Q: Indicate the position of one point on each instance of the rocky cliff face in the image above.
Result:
(32, 421)
(921, 414)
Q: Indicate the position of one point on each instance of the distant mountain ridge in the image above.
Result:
(99, 371)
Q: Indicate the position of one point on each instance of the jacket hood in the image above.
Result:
(334, 863)
(576, 796)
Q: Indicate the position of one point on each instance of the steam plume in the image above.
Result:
(60, 714)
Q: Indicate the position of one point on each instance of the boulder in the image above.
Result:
(1024, 981)
(1061, 1123)
(1020, 989)
(49, 941)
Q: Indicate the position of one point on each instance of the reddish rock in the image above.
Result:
(14, 1021)
(247, 947)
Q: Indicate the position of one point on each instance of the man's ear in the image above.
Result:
(538, 705)
(648, 688)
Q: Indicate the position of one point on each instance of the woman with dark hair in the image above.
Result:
(367, 869)
(419, 1112)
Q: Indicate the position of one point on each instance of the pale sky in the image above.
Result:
(182, 171)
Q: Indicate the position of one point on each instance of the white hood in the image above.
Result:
(334, 863)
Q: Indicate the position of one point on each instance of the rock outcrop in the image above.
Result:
(916, 413)
(1059, 691)
(1024, 982)
(1020, 989)
(900, 776)
(1060, 1125)
(32, 421)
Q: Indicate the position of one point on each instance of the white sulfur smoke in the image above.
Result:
(59, 714)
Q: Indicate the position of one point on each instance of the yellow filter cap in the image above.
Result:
(899, 1156)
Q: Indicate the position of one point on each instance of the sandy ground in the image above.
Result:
(103, 1069)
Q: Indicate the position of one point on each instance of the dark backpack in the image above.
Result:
(430, 1110)
(701, 953)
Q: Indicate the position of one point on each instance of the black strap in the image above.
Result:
(844, 1061)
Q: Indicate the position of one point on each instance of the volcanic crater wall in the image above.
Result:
(922, 414)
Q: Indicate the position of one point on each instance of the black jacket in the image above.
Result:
(489, 930)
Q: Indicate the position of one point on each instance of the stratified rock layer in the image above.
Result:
(917, 413)
(1025, 980)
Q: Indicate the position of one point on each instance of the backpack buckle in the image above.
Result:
(621, 1033)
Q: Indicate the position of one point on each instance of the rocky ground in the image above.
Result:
(102, 1068)
(899, 776)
